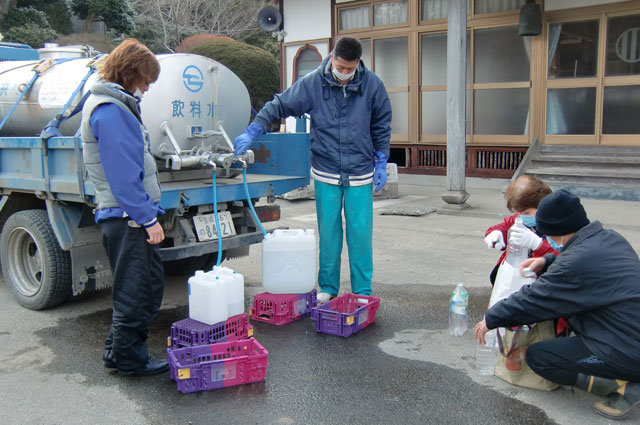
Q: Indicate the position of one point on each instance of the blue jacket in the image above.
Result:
(348, 124)
(595, 283)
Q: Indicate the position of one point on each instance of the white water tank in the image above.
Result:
(289, 261)
(234, 283)
(193, 94)
(207, 299)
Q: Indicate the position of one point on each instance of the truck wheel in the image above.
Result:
(35, 268)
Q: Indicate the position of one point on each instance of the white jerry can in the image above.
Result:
(289, 261)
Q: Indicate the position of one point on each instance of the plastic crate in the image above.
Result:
(345, 315)
(279, 309)
(189, 332)
(208, 367)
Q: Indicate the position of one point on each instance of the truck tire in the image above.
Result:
(36, 269)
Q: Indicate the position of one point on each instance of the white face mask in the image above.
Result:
(342, 77)
(138, 94)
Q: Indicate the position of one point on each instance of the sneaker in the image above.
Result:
(153, 367)
(620, 404)
(324, 297)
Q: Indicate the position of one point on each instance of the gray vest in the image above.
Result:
(91, 156)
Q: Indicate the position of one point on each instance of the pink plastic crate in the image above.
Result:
(189, 332)
(279, 309)
(345, 315)
(208, 367)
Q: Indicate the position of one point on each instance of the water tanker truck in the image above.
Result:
(50, 246)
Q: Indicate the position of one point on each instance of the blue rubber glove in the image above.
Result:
(243, 141)
(380, 172)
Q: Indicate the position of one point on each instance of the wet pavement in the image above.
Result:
(402, 369)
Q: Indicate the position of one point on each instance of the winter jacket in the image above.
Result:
(543, 249)
(117, 155)
(348, 123)
(595, 283)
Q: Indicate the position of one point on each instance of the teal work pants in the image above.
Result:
(358, 214)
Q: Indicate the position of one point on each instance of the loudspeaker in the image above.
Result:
(269, 18)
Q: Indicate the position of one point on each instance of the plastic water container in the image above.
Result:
(207, 299)
(516, 254)
(458, 304)
(486, 355)
(234, 283)
(289, 261)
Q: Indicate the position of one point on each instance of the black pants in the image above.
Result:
(138, 286)
(560, 360)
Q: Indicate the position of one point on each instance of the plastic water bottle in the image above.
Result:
(486, 355)
(458, 311)
(516, 254)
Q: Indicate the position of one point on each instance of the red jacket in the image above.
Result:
(544, 248)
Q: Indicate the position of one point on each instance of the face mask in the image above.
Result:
(138, 94)
(342, 77)
(528, 220)
(554, 245)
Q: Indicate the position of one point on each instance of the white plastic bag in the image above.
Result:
(508, 281)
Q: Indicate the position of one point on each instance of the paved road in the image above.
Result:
(403, 369)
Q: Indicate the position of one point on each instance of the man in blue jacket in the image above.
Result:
(350, 131)
(595, 283)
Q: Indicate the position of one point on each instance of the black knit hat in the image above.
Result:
(560, 213)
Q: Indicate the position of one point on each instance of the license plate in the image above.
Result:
(206, 226)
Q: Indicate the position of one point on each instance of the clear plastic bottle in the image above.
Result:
(486, 355)
(458, 305)
(516, 254)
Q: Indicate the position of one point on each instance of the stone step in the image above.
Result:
(584, 159)
(587, 173)
(614, 151)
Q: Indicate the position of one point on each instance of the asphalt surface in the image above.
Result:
(402, 369)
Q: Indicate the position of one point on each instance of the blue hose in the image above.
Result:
(246, 191)
(215, 215)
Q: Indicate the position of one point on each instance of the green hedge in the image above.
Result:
(257, 68)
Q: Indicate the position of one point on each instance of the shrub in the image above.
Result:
(192, 41)
(31, 34)
(257, 69)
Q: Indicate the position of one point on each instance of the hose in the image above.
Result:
(246, 191)
(215, 215)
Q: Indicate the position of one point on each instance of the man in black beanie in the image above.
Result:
(595, 284)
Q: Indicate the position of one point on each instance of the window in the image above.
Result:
(493, 6)
(501, 81)
(621, 103)
(307, 59)
(434, 83)
(437, 9)
(571, 86)
(390, 13)
(391, 60)
(376, 14)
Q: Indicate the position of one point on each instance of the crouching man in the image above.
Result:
(595, 283)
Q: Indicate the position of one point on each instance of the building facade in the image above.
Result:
(577, 83)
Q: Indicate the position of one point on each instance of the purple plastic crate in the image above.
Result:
(189, 332)
(345, 314)
(279, 309)
(225, 364)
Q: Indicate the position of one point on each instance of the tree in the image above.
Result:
(116, 14)
(57, 11)
(27, 25)
(182, 18)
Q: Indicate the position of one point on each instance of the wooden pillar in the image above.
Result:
(456, 195)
